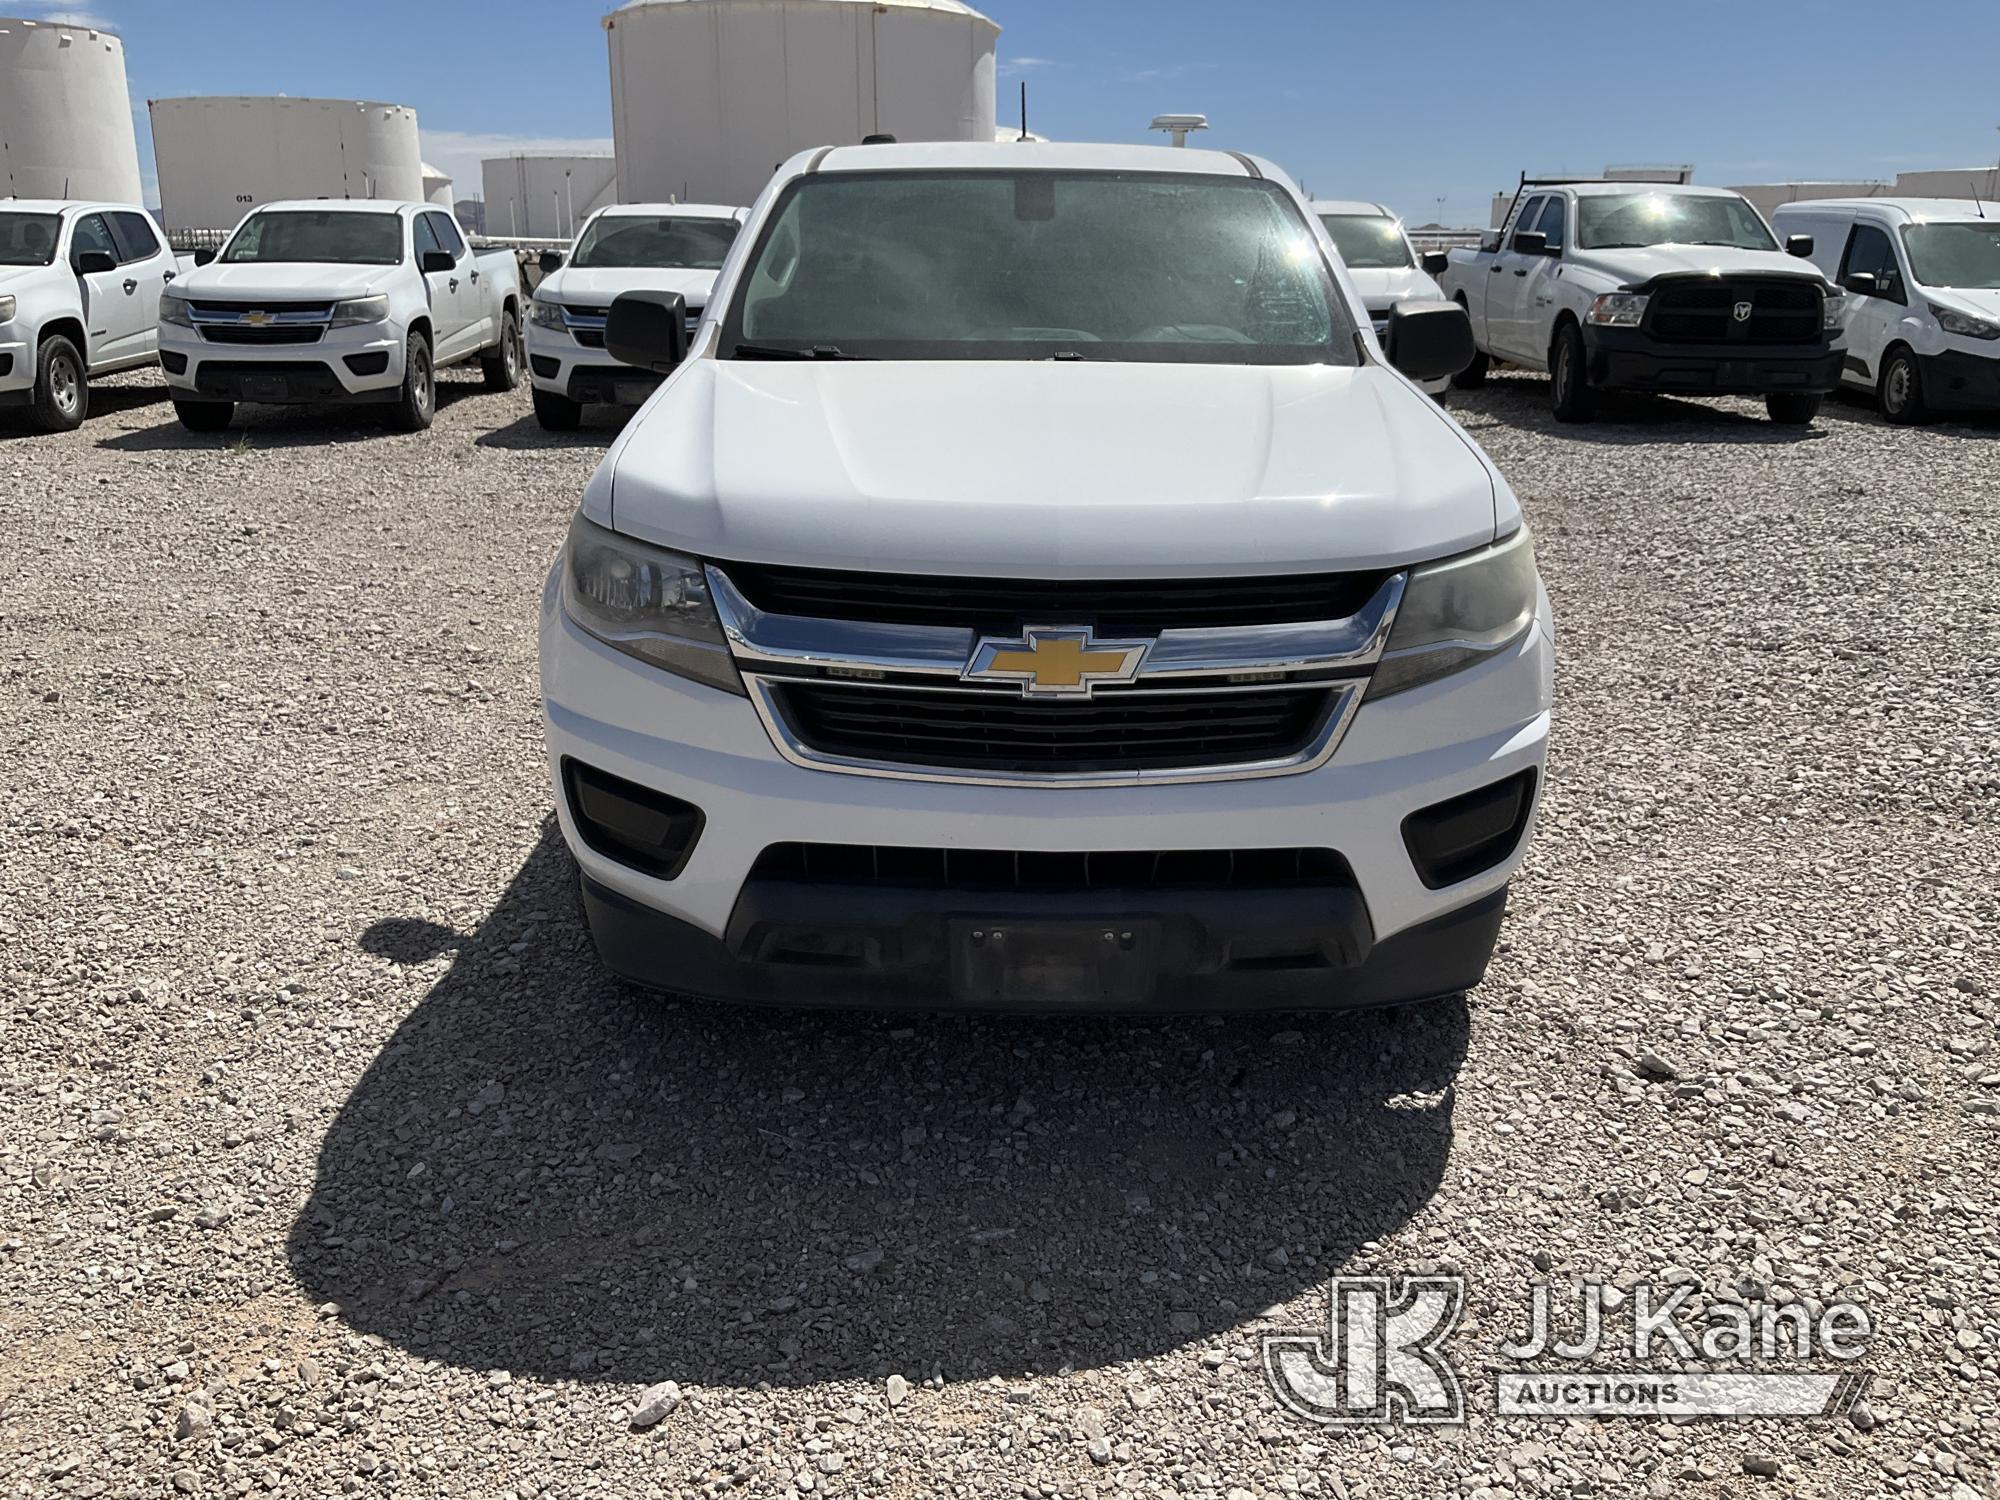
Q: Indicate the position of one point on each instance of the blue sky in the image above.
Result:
(1385, 99)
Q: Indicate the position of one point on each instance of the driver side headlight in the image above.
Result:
(7, 306)
(1459, 612)
(647, 602)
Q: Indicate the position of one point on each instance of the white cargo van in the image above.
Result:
(1922, 277)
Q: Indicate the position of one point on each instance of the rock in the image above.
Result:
(1652, 1065)
(1763, 1466)
(1100, 1451)
(897, 1389)
(656, 1403)
(194, 1421)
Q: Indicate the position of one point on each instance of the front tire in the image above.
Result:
(204, 416)
(502, 368)
(556, 412)
(62, 387)
(1899, 393)
(1792, 408)
(416, 403)
(1570, 395)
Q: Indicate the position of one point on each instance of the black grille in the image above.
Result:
(1704, 312)
(243, 334)
(590, 338)
(237, 309)
(978, 730)
(577, 309)
(1064, 870)
(1140, 606)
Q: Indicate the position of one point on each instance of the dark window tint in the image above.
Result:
(135, 236)
(447, 235)
(426, 237)
(91, 233)
(1530, 211)
(628, 240)
(336, 236)
(1552, 221)
(1869, 249)
(1367, 242)
(28, 239)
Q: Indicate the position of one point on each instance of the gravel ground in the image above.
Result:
(330, 1162)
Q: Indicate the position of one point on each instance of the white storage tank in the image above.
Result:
(707, 96)
(65, 117)
(437, 186)
(545, 197)
(219, 157)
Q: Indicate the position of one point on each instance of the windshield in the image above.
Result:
(1038, 265)
(1955, 255)
(28, 239)
(1627, 221)
(1368, 242)
(613, 240)
(327, 236)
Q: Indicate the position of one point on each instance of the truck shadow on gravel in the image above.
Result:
(283, 426)
(1623, 418)
(600, 425)
(105, 401)
(549, 1172)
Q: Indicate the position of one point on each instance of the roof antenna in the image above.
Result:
(1024, 109)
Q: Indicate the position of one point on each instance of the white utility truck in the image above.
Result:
(1922, 277)
(991, 610)
(667, 247)
(1635, 286)
(79, 296)
(339, 300)
(1381, 262)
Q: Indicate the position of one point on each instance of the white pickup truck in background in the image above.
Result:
(630, 247)
(80, 291)
(1381, 262)
(1672, 289)
(329, 301)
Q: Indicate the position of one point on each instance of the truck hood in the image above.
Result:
(292, 280)
(15, 276)
(1381, 285)
(1045, 469)
(596, 288)
(1629, 267)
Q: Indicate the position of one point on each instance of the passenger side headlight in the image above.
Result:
(544, 314)
(6, 309)
(1459, 612)
(1618, 309)
(174, 310)
(1832, 307)
(647, 602)
(358, 310)
(1964, 324)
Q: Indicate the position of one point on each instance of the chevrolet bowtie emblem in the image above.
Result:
(1056, 660)
(256, 319)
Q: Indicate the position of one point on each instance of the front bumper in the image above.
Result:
(557, 363)
(1629, 359)
(17, 366)
(1957, 381)
(361, 364)
(699, 931)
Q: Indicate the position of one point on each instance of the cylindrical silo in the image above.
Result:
(707, 96)
(220, 157)
(65, 118)
(545, 197)
(437, 186)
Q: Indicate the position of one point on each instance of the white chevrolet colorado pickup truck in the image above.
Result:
(1629, 286)
(666, 247)
(989, 610)
(79, 296)
(348, 300)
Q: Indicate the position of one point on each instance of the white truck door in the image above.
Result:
(114, 317)
(447, 323)
(465, 335)
(1507, 286)
(145, 260)
(1871, 321)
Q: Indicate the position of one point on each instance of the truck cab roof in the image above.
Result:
(1013, 156)
(1892, 210)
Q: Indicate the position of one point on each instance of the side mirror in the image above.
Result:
(1489, 240)
(438, 261)
(551, 262)
(204, 256)
(1436, 262)
(90, 262)
(1429, 340)
(1531, 242)
(1863, 284)
(1800, 245)
(649, 330)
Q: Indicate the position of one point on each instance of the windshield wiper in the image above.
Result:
(776, 351)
